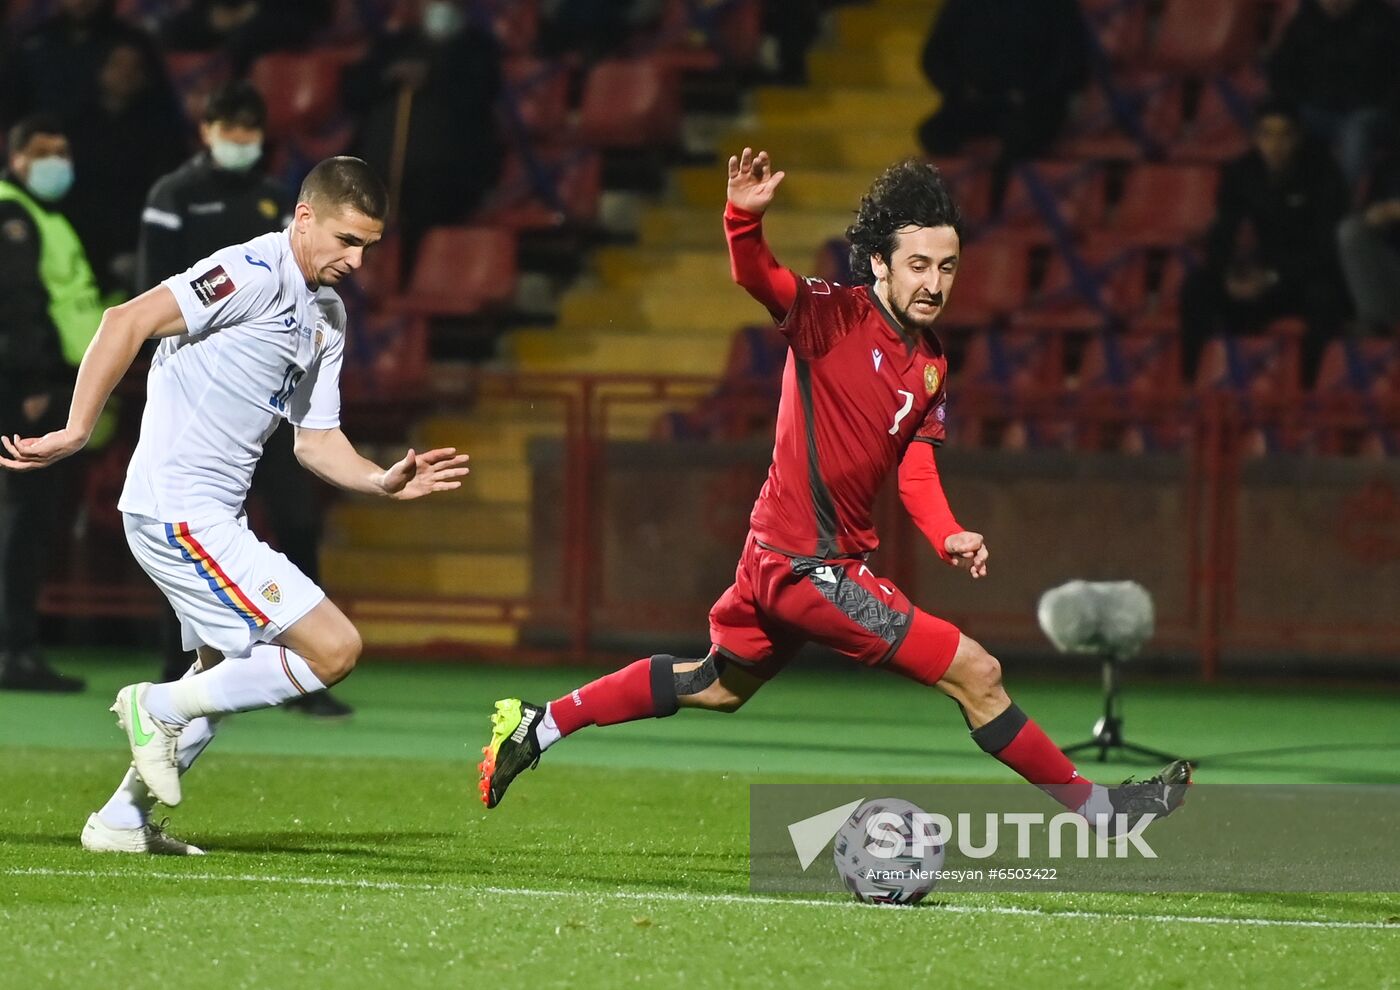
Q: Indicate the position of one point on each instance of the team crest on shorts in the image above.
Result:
(931, 378)
(270, 591)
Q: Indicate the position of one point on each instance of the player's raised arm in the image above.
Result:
(752, 183)
(119, 337)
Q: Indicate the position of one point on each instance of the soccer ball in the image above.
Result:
(877, 856)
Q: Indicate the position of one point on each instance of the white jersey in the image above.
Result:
(259, 346)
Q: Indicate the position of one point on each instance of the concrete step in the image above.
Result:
(798, 145)
(854, 106)
(389, 623)
(715, 309)
(610, 351)
(794, 234)
(865, 67)
(377, 571)
(632, 267)
(428, 525)
(815, 189)
(877, 27)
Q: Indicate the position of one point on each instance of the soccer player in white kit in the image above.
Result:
(252, 334)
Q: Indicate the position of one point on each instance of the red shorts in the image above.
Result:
(777, 603)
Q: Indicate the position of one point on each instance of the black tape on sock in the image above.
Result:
(997, 734)
(663, 685)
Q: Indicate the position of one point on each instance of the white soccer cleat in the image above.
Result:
(150, 838)
(152, 744)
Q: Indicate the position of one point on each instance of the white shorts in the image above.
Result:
(229, 588)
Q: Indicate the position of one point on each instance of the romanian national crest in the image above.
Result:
(931, 379)
(270, 591)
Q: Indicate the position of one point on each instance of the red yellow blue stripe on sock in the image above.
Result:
(179, 536)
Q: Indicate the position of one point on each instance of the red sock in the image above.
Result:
(1021, 744)
(622, 696)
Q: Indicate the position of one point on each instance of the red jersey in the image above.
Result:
(857, 390)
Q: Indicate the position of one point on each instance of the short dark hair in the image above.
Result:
(909, 193)
(344, 181)
(237, 103)
(25, 128)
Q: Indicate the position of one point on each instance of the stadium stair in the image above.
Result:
(663, 305)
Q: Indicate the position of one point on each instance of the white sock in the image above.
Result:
(267, 677)
(130, 804)
(1098, 804)
(547, 732)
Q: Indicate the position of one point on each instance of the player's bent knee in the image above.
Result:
(975, 675)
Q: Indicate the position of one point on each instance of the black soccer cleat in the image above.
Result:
(514, 747)
(1158, 795)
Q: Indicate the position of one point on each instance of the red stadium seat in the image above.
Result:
(1267, 366)
(631, 103)
(1074, 189)
(574, 174)
(1141, 113)
(461, 271)
(1120, 27)
(993, 280)
(537, 91)
(302, 90)
(1219, 129)
(1164, 205)
(1064, 302)
(515, 23)
(1203, 35)
(970, 180)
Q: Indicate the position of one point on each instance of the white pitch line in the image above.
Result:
(695, 898)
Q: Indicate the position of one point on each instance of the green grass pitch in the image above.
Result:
(357, 854)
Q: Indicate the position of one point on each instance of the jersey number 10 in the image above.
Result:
(283, 395)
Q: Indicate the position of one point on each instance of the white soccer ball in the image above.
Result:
(885, 855)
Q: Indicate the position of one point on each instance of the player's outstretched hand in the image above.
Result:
(30, 453)
(752, 181)
(422, 474)
(967, 549)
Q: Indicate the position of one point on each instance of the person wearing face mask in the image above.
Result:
(221, 197)
(49, 312)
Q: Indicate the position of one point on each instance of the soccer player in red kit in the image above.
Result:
(864, 392)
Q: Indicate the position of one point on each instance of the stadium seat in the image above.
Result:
(1165, 205)
(460, 271)
(388, 361)
(515, 23)
(970, 180)
(1266, 366)
(1075, 191)
(1130, 393)
(1201, 36)
(993, 280)
(1358, 396)
(1119, 27)
(573, 177)
(1064, 301)
(302, 90)
(537, 94)
(702, 37)
(631, 103)
(1219, 129)
(1135, 115)
(195, 75)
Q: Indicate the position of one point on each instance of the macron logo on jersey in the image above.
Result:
(878, 355)
(213, 285)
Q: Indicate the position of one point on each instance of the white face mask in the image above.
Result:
(50, 178)
(234, 156)
(441, 20)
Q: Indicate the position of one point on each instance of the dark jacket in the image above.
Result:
(31, 358)
(1039, 47)
(200, 208)
(1293, 216)
(1341, 63)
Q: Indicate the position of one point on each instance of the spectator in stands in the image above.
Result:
(1369, 243)
(1339, 62)
(55, 67)
(593, 28)
(1005, 69)
(1271, 251)
(49, 311)
(217, 198)
(122, 142)
(243, 29)
(443, 73)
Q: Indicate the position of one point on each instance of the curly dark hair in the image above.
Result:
(909, 193)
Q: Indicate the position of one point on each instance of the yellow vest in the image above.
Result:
(74, 305)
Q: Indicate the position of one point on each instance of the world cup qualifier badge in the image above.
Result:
(931, 378)
(270, 591)
(213, 285)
